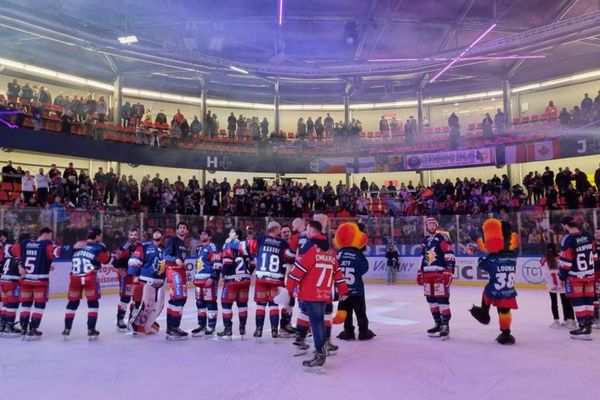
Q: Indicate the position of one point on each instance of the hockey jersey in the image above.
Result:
(353, 265)
(315, 271)
(296, 242)
(236, 264)
(175, 250)
(208, 262)
(271, 258)
(501, 268)
(123, 253)
(88, 259)
(147, 263)
(12, 261)
(437, 253)
(37, 259)
(578, 255)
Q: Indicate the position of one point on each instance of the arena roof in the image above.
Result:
(378, 50)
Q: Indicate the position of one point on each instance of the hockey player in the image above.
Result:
(128, 290)
(500, 263)
(577, 262)
(174, 255)
(350, 242)
(147, 263)
(296, 241)
(236, 277)
(37, 256)
(10, 286)
(314, 272)
(86, 259)
(596, 324)
(270, 253)
(208, 264)
(435, 275)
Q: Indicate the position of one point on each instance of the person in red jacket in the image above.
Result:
(314, 272)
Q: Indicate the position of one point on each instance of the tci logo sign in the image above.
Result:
(532, 271)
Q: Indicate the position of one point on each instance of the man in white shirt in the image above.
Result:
(27, 186)
(41, 182)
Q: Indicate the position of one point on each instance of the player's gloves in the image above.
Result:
(447, 278)
(420, 278)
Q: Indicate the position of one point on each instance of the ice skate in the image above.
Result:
(2, 328)
(154, 328)
(505, 338)
(121, 326)
(346, 335)
(226, 334)
(287, 331)
(242, 331)
(93, 335)
(209, 332)
(11, 331)
(175, 334)
(275, 335)
(555, 324)
(258, 334)
(33, 334)
(199, 331)
(65, 333)
(481, 315)
(138, 331)
(445, 332)
(367, 335)
(316, 364)
(435, 331)
(300, 347)
(582, 333)
(331, 348)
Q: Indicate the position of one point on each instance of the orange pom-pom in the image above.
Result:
(340, 317)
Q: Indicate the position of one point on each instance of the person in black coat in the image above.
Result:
(393, 262)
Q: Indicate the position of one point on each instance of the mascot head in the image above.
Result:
(348, 234)
(497, 237)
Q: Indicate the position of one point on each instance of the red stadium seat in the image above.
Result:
(516, 121)
(7, 186)
(525, 119)
(535, 118)
(3, 196)
(472, 127)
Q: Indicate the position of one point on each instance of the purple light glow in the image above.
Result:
(382, 60)
(280, 12)
(8, 124)
(454, 61)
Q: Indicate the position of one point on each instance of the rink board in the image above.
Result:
(529, 273)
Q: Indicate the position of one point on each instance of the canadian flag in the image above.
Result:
(540, 151)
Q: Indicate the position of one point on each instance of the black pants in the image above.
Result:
(42, 196)
(566, 306)
(359, 306)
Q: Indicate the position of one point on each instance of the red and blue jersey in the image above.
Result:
(12, 261)
(578, 255)
(147, 263)
(208, 262)
(353, 265)
(37, 256)
(175, 249)
(502, 269)
(236, 263)
(271, 257)
(88, 259)
(123, 253)
(437, 253)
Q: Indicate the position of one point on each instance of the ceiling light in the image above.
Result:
(128, 39)
(234, 68)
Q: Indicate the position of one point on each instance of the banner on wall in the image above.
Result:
(446, 159)
(527, 152)
(579, 145)
(529, 271)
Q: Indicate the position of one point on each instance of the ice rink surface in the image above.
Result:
(400, 363)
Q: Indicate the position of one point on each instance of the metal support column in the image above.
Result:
(276, 104)
(203, 109)
(506, 102)
(419, 111)
(346, 110)
(117, 99)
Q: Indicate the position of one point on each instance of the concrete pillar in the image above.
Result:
(276, 104)
(506, 102)
(117, 99)
(203, 109)
(419, 111)
(203, 178)
(348, 178)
